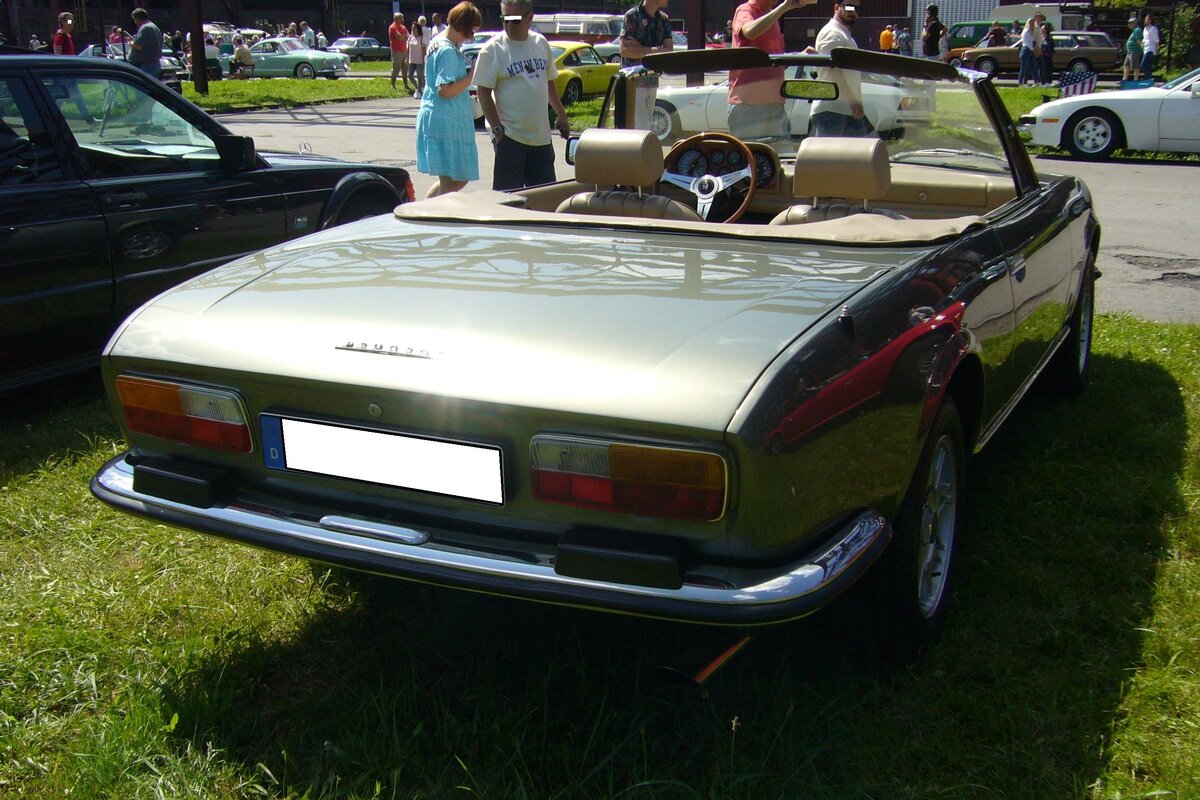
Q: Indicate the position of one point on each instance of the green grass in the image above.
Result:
(138, 661)
(234, 95)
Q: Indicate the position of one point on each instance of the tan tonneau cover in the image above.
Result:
(489, 207)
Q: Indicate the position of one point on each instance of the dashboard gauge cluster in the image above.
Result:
(697, 161)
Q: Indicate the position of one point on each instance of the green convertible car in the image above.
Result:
(289, 58)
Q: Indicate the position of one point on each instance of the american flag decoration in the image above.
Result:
(1073, 83)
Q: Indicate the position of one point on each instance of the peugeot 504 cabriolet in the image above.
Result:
(717, 383)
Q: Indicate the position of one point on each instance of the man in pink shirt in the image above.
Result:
(398, 39)
(758, 110)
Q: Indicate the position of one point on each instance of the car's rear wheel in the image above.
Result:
(956, 62)
(987, 65)
(664, 122)
(1079, 65)
(1092, 134)
(305, 71)
(573, 93)
(1068, 372)
(911, 590)
(615, 58)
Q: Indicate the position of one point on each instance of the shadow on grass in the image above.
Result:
(421, 690)
(52, 420)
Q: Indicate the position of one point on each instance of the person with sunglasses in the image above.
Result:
(515, 74)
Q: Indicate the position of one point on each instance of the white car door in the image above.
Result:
(1179, 119)
(717, 108)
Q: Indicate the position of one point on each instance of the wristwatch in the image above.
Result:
(498, 130)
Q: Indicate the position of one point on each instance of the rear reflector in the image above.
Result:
(635, 479)
(192, 415)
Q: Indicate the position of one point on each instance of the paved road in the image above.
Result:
(1150, 253)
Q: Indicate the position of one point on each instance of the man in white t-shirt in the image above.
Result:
(438, 26)
(515, 75)
(843, 116)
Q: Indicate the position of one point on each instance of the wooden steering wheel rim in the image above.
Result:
(697, 139)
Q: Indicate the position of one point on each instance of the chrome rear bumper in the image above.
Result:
(755, 597)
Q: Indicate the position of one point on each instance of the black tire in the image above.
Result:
(915, 577)
(1068, 371)
(1079, 65)
(615, 58)
(956, 62)
(305, 71)
(573, 93)
(664, 122)
(1093, 134)
(987, 65)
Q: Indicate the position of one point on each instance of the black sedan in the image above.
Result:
(114, 188)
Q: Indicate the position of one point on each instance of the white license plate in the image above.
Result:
(470, 471)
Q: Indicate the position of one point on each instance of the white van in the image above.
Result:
(591, 28)
(1051, 11)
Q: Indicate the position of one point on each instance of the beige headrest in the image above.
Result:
(836, 166)
(613, 156)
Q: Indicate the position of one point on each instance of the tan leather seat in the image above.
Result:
(628, 158)
(852, 169)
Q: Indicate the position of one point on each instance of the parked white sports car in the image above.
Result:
(683, 111)
(1093, 126)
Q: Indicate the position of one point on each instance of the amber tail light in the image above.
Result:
(631, 478)
(192, 415)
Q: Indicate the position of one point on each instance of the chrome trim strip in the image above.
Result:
(1008, 408)
(374, 530)
(863, 535)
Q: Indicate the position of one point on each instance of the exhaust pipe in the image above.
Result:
(694, 666)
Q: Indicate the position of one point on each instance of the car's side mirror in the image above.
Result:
(236, 153)
(800, 89)
(572, 146)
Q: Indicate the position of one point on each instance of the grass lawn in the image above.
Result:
(234, 95)
(139, 661)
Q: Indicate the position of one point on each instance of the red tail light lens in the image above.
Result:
(635, 479)
(192, 415)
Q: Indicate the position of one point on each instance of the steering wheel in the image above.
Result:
(707, 187)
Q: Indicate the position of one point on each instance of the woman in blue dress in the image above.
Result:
(445, 124)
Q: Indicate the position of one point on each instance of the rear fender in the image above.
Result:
(350, 186)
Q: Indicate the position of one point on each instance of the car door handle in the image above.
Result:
(996, 270)
(123, 200)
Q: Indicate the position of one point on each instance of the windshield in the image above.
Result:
(919, 120)
(1182, 80)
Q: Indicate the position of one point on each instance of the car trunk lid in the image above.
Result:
(642, 326)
